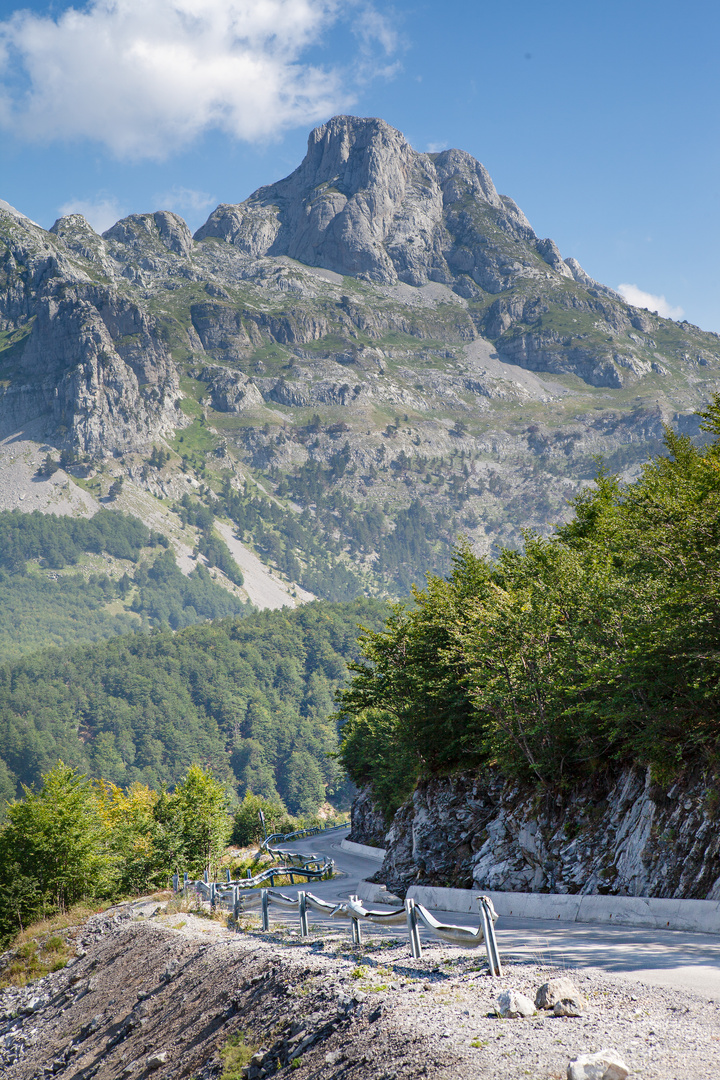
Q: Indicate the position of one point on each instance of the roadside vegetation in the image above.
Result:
(73, 845)
(598, 645)
(74, 839)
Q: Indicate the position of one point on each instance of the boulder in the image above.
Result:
(155, 1061)
(568, 1007)
(513, 1004)
(558, 990)
(604, 1065)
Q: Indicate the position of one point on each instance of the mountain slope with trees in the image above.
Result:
(66, 579)
(591, 649)
(252, 698)
(351, 389)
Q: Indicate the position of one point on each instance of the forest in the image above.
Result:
(596, 646)
(252, 698)
(47, 599)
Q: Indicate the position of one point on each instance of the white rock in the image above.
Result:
(512, 1004)
(605, 1065)
(557, 990)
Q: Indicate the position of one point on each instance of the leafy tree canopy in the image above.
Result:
(599, 644)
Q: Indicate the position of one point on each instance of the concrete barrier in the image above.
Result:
(363, 849)
(698, 916)
(377, 894)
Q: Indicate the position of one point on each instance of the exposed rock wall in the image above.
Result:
(368, 823)
(95, 368)
(623, 835)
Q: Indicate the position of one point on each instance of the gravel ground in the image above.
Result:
(162, 993)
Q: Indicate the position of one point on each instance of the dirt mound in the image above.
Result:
(179, 996)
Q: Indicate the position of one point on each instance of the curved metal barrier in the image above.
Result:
(353, 910)
(299, 834)
(244, 895)
(210, 890)
(307, 865)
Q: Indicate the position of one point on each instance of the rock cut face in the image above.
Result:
(363, 203)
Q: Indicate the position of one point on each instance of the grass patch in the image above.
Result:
(195, 439)
(236, 1054)
(33, 960)
(74, 916)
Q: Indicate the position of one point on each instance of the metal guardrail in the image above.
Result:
(243, 895)
(240, 900)
(297, 863)
(311, 867)
(299, 834)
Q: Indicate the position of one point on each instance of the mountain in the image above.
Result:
(347, 369)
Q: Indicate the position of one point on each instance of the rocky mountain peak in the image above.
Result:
(140, 233)
(364, 203)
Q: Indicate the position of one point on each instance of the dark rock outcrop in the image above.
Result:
(623, 835)
(368, 822)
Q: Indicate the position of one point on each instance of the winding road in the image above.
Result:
(661, 957)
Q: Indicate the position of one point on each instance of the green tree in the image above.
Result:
(304, 787)
(596, 646)
(247, 827)
(202, 805)
(58, 838)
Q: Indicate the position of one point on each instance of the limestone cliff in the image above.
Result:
(622, 835)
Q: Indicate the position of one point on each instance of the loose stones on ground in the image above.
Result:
(605, 1065)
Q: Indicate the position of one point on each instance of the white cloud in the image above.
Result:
(185, 200)
(638, 298)
(146, 77)
(436, 147)
(102, 211)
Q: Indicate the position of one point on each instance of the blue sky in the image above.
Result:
(600, 120)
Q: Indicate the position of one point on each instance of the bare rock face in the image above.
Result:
(368, 823)
(231, 391)
(628, 838)
(456, 295)
(364, 203)
(141, 233)
(95, 368)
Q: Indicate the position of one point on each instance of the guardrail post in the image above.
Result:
(212, 894)
(236, 905)
(185, 881)
(413, 932)
(304, 931)
(176, 882)
(355, 931)
(248, 873)
(265, 910)
(206, 877)
(228, 875)
(491, 945)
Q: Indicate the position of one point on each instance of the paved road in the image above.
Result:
(664, 957)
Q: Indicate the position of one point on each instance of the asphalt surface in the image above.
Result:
(662, 957)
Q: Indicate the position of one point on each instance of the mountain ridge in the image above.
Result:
(431, 367)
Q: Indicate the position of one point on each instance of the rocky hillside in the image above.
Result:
(352, 366)
(177, 995)
(621, 834)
